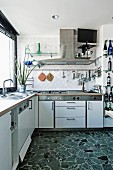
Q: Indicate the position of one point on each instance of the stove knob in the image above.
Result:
(77, 98)
(74, 98)
(60, 98)
(94, 98)
(48, 98)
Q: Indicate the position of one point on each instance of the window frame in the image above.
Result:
(7, 29)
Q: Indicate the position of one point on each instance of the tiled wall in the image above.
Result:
(51, 44)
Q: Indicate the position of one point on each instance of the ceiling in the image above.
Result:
(34, 17)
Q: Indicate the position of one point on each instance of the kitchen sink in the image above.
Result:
(14, 96)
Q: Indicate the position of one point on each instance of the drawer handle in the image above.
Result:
(30, 108)
(71, 108)
(71, 102)
(70, 118)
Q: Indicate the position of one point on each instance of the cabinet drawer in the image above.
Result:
(70, 122)
(70, 111)
(70, 103)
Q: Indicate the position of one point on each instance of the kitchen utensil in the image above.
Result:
(50, 77)
(42, 77)
(73, 74)
(63, 76)
(89, 75)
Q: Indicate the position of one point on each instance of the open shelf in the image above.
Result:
(108, 71)
(42, 54)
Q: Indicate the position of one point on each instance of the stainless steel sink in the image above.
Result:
(14, 96)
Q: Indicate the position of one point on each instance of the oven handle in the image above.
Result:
(52, 105)
(89, 106)
(71, 102)
(71, 108)
(70, 118)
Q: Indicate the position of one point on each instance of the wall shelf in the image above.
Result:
(42, 54)
(108, 71)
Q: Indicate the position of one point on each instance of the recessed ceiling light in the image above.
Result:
(55, 16)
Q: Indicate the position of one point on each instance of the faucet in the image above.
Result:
(3, 91)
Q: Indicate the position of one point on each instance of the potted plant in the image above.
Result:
(23, 72)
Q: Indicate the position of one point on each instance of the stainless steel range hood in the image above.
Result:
(68, 48)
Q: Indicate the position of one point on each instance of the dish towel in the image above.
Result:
(42, 77)
(50, 77)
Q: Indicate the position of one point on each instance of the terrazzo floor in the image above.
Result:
(70, 151)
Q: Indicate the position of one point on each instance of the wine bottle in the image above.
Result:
(105, 52)
(110, 49)
(108, 80)
(106, 95)
(111, 95)
(109, 64)
(110, 108)
(106, 106)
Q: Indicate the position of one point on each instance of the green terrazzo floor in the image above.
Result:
(69, 151)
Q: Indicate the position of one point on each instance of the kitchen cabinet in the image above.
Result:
(5, 142)
(46, 114)
(24, 129)
(31, 115)
(14, 137)
(94, 114)
(70, 114)
(36, 100)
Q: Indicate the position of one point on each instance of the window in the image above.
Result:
(8, 53)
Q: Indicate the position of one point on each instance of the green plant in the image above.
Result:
(23, 71)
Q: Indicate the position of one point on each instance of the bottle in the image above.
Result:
(110, 108)
(105, 52)
(106, 95)
(106, 106)
(108, 80)
(110, 49)
(109, 64)
(111, 95)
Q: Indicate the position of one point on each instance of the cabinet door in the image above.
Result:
(46, 114)
(5, 142)
(23, 130)
(94, 114)
(31, 115)
(36, 112)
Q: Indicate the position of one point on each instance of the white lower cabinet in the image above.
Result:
(69, 114)
(5, 142)
(14, 137)
(46, 114)
(36, 98)
(26, 125)
(94, 114)
(31, 115)
(23, 130)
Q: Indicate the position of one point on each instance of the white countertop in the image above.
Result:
(8, 104)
